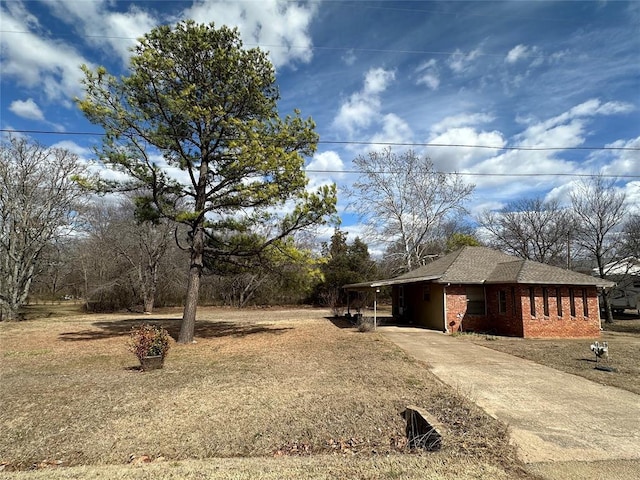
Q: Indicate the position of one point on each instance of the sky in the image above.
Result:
(522, 98)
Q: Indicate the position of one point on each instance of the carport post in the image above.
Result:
(348, 304)
(375, 308)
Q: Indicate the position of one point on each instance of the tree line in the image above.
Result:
(59, 240)
(212, 203)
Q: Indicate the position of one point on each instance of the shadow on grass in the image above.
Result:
(344, 322)
(341, 322)
(203, 329)
(591, 360)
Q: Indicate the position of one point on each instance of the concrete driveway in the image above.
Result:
(554, 416)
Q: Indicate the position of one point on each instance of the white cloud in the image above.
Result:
(517, 53)
(430, 79)
(362, 108)
(568, 129)
(564, 131)
(74, 148)
(461, 120)
(632, 193)
(27, 109)
(279, 27)
(460, 62)
(457, 158)
(113, 32)
(557, 56)
(349, 57)
(393, 130)
(35, 61)
(357, 112)
(328, 161)
(377, 80)
(623, 162)
(428, 74)
(613, 108)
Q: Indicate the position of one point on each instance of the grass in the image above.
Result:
(575, 356)
(263, 393)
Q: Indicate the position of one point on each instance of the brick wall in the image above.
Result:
(513, 316)
(508, 319)
(455, 306)
(569, 324)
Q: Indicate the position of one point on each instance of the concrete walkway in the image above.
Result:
(554, 416)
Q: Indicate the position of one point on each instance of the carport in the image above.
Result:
(375, 286)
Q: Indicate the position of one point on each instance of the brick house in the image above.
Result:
(483, 290)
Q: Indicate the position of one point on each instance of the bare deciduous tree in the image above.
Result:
(533, 229)
(631, 238)
(135, 248)
(404, 201)
(39, 201)
(600, 211)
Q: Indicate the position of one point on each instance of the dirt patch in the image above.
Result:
(256, 382)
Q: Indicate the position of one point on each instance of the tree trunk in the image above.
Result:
(607, 307)
(188, 326)
(608, 318)
(148, 301)
(148, 286)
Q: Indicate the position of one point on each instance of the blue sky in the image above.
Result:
(556, 75)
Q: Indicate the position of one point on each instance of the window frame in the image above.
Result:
(572, 302)
(532, 301)
(472, 301)
(545, 301)
(502, 302)
(559, 302)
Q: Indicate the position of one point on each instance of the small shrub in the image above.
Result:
(365, 324)
(148, 341)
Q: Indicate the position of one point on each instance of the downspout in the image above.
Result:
(444, 307)
(598, 292)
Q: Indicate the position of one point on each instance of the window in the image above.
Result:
(532, 300)
(559, 301)
(545, 299)
(475, 301)
(513, 301)
(502, 302)
(572, 302)
(585, 304)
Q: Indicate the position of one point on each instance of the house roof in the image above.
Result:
(479, 265)
(527, 271)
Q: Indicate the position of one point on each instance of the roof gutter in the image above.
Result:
(385, 283)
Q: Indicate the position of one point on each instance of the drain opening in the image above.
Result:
(423, 431)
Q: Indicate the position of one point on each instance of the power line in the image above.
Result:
(389, 144)
(478, 174)
(463, 145)
(300, 47)
(469, 174)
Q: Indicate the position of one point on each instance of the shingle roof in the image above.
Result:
(527, 271)
(478, 265)
(467, 265)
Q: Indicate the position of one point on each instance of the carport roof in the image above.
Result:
(386, 283)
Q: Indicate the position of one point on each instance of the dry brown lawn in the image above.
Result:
(575, 356)
(262, 394)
